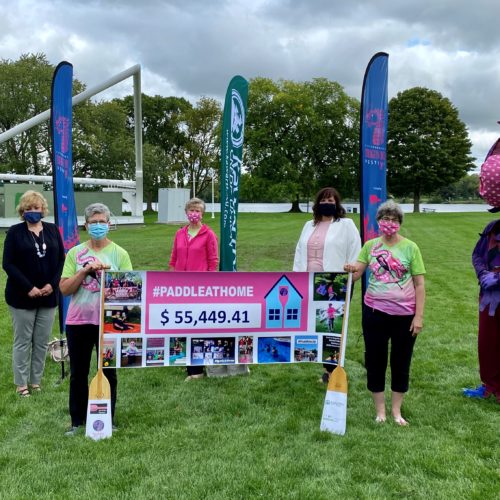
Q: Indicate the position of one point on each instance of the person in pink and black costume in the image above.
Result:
(195, 249)
(486, 262)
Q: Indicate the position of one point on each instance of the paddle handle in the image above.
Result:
(100, 373)
(345, 320)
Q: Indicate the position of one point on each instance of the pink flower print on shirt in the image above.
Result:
(386, 268)
(89, 283)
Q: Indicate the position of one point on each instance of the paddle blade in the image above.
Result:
(99, 423)
(335, 407)
(99, 387)
(338, 380)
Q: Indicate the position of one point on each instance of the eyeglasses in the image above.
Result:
(390, 219)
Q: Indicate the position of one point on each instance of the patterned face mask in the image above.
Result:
(388, 227)
(194, 217)
(489, 188)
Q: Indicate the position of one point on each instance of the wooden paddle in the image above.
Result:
(99, 422)
(335, 408)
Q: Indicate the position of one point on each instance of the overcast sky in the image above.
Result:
(192, 48)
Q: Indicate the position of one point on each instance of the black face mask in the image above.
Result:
(327, 209)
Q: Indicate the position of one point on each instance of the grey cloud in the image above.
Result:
(193, 47)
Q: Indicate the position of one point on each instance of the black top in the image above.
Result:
(25, 269)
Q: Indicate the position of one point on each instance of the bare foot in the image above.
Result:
(401, 421)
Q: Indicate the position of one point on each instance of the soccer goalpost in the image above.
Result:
(132, 190)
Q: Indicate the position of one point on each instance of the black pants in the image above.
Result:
(378, 329)
(82, 339)
(194, 370)
(328, 367)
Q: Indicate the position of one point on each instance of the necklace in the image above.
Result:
(42, 253)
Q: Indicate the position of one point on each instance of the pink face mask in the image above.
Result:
(388, 227)
(194, 217)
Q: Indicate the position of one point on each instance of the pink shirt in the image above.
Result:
(331, 312)
(316, 246)
(197, 253)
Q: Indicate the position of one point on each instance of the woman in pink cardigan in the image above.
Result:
(195, 249)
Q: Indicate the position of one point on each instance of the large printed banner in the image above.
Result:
(156, 318)
(233, 133)
(61, 120)
(373, 143)
(61, 125)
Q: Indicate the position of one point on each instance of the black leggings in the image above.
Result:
(82, 339)
(378, 329)
(194, 370)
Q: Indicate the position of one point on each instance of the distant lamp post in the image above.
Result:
(213, 196)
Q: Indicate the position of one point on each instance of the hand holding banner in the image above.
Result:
(192, 318)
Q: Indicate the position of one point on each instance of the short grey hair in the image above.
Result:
(193, 202)
(391, 209)
(97, 208)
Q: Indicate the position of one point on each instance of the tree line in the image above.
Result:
(299, 136)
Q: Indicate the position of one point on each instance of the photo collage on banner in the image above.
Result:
(330, 291)
(154, 318)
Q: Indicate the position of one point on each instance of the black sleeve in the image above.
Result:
(60, 260)
(13, 271)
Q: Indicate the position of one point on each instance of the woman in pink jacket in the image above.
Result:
(195, 249)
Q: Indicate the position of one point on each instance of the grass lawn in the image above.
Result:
(258, 436)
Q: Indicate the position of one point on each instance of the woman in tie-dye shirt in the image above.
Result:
(81, 278)
(393, 307)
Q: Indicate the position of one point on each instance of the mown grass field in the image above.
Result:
(258, 436)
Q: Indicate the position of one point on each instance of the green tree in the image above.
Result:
(254, 188)
(103, 147)
(163, 136)
(181, 142)
(302, 135)
(197, 161)
(25, 87)
(156, 172)
(427, 144)
(466, 188)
